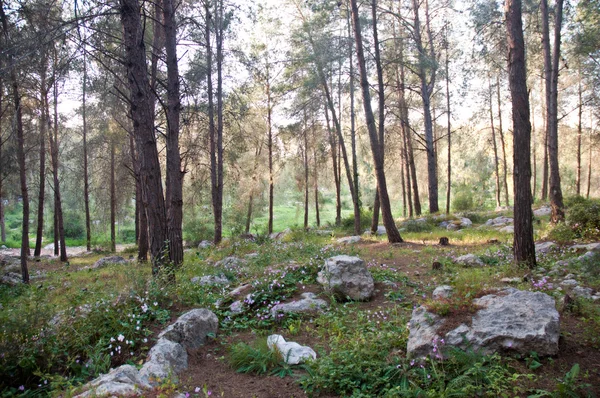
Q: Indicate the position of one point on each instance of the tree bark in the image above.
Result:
(212, 131)
(336, 177)
(20, 149)
(270, 146)
(316, 180)
(502, 143)
(426, 91)
(449, 128)
(305, 162)
(556, 199)
(388, 220)
(113, 198)
(579, 131)
(141, 219)
(589, 173)
(143, 128)
(494, 146)
(523, 244)
(174, 178)
(54, 153)
(219, 193)
(253, 188)
(43, 126)
(86, 182)
(356, 202)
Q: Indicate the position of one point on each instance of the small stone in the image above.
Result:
(291, 352)
(205, 244)
(511, 280)
(436, 266)
(347, 240)
(569, 282)
(469, 260)
(582, 292)
(444, 241)
(544, 247)
(442, 292)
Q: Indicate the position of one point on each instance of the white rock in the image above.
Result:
(451, 227)
(192, 329)
(544, 247)
(230, 262)
(291, 352)
(106, 261)
(205, 244)
(309, 303)
(465, 222)
(442, 292)
(210, 280)
(469, 260)
(348, 240)
(166, 359)
(509, 229)
(511, 280)
(542, 211)
(583, 292)
(569, 282)
(122, 382)
(347, 277)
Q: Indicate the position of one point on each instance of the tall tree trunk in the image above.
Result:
(494, 146)
(86, 182)
(555, 191)
(270, 146)
(2, 220)
(449, 127)
(316, 178)
(534, 150)
(579, 131)
(141, 219)
(336, 177)
(219, 194)
(523, 245)
(141, 112)
(305, 163)
(113, 198)
(355, 180)
(388, 220)
(545, 143)
(212, 130)
(42, 137)
(257, 153)
(502, 143)
(381, 113)
(20, 149)
(54, 152)
(174, 178)
(589, 173)
(426, 91)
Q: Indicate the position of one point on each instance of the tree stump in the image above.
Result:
(436, 266)
(444, 241)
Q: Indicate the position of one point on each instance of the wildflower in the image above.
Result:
(145, 340)
(197, 390)
(121, 337)
(21, 388)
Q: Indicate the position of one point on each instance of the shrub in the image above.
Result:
(197, 229)
(74, 225)
(583, 217)
(462, 201)
(256, 358)
(365, 220)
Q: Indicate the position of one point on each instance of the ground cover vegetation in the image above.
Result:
(239, 140)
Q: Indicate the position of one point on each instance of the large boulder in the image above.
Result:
(346, 240)
(166, 359)
(309, 303)
(542, 211)
(544, 247)
(347, 277)
(465, 222)
(192, 329)
(291, 352)
(511, 320)
(108, 260)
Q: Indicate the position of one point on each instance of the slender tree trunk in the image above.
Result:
(305, 161)
(143, 128)
(426, 91)
(54, 152)
(502, 143)
(174, 191)
(336, 177)
(141, 219)
(270, 146)
(86, 182)
(381, 110)
(212, 131)
(449, 129)
(388, 220)
(219, 198)
(113, 198)
(403, 184)
(555, 191)
(579, 131)
(257, 153)
(523, 245)
(42, 137)
(534, 150)
(589, 173)
(355, 178)
(2, 220)
(20, 149)
(316, 177)
(494, 146)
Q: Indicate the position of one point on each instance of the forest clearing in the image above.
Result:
(292, 198)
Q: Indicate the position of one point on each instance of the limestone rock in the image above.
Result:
(280, 235)
(230, 262)
(465, 222)
(10, 279)
(499, 221)
(451, 227)
(106, 261)
(210, 280)
(513, 320)
(544, 247)
(165, 359)
(347, 276)
(347, 240)
(569, 282)
(442, 292)
(292, 352)
(509, 229)
(192, 328)
(469, 260)
(309, 303)
(205, 244)
(583, 292)
(542, 211)
(122, 382)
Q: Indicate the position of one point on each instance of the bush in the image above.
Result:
(197, 229)
(583, 217)
(462, 201)
(74, 225)
(127, 235)
(365, 220)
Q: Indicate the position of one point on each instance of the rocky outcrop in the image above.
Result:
(210, 280)
(347, 240)
(347, 277)
(469, 260)
(512, 320)
(166, 358)
(291, 352)
(442, 292)
(542, 211)
(103, 262)
(545, 247)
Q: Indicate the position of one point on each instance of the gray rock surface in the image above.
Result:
(309, 303)
(347, 240)
(442, 292)
(569, 282)
(465, 222)
(210, 280)
(292, 352)
(205, 244)
(545, 247)
(280, 235)
(347, 277)
(542, 211)
(512, 320)
(230, 262)
(106, 261)
(11, 279)
(121, 382)
(469, 260)
(166, 359)
(192, 329)
(583, 292)
(509, 229)
(499, 221)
